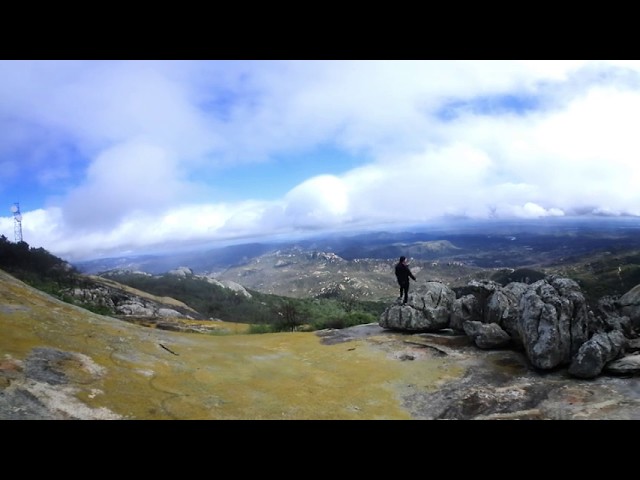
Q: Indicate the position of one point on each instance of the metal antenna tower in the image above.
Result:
(17, 222)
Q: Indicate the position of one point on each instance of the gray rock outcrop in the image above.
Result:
(407, 318)
(596, 352)
(121, 302)
(233, 286)
(181, 272)
(487, 335)
(428, 310)
(629, 305)
(503, 308)
(550, 320)
(627, 365)
(465, 309)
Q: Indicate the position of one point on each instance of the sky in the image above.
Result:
(118, 157)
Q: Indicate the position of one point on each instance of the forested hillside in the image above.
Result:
(278, 312)
(37, 267)
(44, 271)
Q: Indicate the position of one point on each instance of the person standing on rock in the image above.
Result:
(403, 274)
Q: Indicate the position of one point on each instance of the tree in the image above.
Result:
(288, 317)
(348, 302)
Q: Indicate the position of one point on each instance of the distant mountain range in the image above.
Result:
(361, 264)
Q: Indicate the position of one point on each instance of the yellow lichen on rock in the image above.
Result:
(106, 368)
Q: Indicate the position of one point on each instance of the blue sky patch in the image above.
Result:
(490, 105)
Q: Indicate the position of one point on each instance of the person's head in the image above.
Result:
(402, 259)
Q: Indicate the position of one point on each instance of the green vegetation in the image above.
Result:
(607, 275)
(264, 312)
(260, 328)
(36, 266)
(524, 275)
(46, 272)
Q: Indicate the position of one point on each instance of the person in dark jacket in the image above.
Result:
(403, 274)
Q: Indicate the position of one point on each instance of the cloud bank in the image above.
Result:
(107, 157)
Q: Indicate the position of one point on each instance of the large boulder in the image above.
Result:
(596, 352)
(428, 310)
(465, 309)
(503, 308)
(627, 365)
(487, 335)
(553, 321)
(406, 318)
(629, 305)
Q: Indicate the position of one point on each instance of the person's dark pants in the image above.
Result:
(404, 291)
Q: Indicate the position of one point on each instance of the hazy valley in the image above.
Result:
(603, 255)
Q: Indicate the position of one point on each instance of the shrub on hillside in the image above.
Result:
(36, 266)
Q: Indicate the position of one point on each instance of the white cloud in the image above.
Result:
(319, 201)
(133, 147)
(123, 180)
